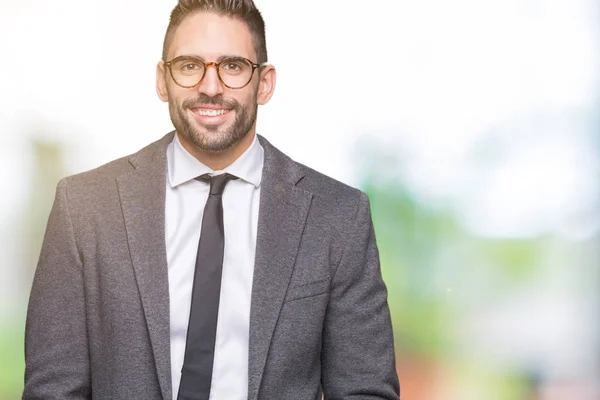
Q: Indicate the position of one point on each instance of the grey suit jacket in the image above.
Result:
(98, 316)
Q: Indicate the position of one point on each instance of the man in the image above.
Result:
(209, 264)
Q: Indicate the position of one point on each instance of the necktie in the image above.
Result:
(196, 373)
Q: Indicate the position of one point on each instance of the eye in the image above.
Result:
(190, 67)
(232, 66)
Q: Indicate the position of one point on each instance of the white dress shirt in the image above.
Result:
(184, 208)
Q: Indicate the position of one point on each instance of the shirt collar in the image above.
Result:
(183, 167)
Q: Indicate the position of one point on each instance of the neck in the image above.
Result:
(218, 160)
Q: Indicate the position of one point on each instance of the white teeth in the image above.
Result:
(210, 113)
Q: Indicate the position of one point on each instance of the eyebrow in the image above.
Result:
(202, 58)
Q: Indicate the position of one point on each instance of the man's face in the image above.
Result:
(211, 116)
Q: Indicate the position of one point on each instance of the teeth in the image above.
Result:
(210, 113)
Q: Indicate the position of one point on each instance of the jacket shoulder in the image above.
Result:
(115, 168)
(102, 180)
(328, 189)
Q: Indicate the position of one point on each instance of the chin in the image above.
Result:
(214, 142)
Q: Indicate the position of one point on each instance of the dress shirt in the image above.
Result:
(184, 208)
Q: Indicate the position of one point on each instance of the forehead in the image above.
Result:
(211, 36)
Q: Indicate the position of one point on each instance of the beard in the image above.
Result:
(213, 138)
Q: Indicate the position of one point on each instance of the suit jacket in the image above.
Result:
(98, 316)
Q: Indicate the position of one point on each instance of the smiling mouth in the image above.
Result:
(210, 113)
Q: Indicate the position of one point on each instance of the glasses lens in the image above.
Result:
(187, 71)
(235, 72)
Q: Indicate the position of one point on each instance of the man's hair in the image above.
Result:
(244, 10)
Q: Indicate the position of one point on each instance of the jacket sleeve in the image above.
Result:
(358, 359)
(56, 345)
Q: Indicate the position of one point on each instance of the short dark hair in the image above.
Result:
(244, 10)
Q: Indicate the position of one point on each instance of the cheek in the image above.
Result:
(250, 98)
(177, 97)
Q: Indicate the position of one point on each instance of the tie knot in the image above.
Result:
(217, 182)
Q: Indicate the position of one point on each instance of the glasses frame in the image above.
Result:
(214, 64)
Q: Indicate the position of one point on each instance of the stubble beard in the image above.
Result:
(213, 138)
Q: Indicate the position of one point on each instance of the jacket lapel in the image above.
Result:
(142, 194)
(282, 216)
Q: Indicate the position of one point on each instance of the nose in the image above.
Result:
(211, 84)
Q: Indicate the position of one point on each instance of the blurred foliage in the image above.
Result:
(517, 259)
(464, 380)
(12, 361)
(427, 256)
(436, 273)
(48, 168)
(407, 235)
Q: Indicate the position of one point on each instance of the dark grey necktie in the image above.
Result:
(196, 373)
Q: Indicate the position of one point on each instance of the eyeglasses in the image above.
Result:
(233, 72)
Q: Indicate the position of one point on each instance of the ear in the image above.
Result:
(266, 84)
(161, 81)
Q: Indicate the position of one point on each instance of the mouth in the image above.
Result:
(210, 115)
